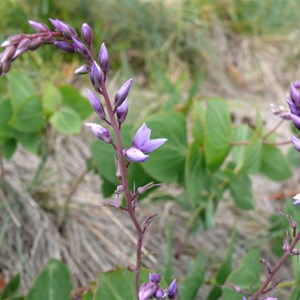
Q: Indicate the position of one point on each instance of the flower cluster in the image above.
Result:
(151, 289)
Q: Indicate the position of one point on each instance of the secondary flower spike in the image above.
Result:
(141, 145)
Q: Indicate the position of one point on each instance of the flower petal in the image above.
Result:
(296, 143)
(135, 155)
(152, 145)
(141, 137)
(100, 132)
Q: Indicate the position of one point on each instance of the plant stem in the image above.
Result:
(274, 270)
(124, 182)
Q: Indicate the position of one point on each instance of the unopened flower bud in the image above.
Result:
(38, 26)
(22, 47)
(286, 244)
(80, 48)
(4, 67)
(8, 54)
(12, 40)
(86, 33)
(64, 28)
(36, 43)
(172, 289)
(154, 277)
(296, 120)
(123, 93)
(103, 59)
(96, 76)
(159, 294)
(295, 252)
(100, 132)
(96, 104)
(65, 46)
(147, 290)
(294, 93)
(122, 111)
(82, 70)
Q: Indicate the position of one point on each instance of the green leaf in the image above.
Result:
(107, 188)
(30, 141)
(293, 157)
(118, 284)
(87, 296)
(223, 271)
(167, 163)
(198, 119)
(28, 116)
(6, 113)
(259, 124)
(241, 190)
(20, 86)
(51, 99)
(246, 157)
(195, 174)
(66, 121)
(9, 147)
(217, 133)
(53, 283)
(11, 288)
(295, 295)
(73, 99)
(189, 287)
(103, 157)
(274, 164)
(246, 276)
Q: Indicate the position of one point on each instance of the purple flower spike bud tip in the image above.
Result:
(294, 93)
(103, 59)
(38, 26)
(86, 33)
(296, 143)
(123, 93)
(147, 290)
(100, 132)
(96, 76)
(80, 48)
(155, 278)
(296, 199)
(96, 104)
(172, 289)
(122, 111)
(64, 28)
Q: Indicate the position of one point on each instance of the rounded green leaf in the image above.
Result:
(6, 113)
(28, 116)
(51, 99)
(53, 283)
(66, 121)
(167, 162)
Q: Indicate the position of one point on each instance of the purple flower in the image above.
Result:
(297, 199)
(64, 28)
(123, 93)
(38, 26)
(100, 132)
(142, 145)
(65, 46)
(147, 290)
(80, 48)
(296, 143)
(96, 104)
(154, 277)
(160, 294)
(172, 289)
(86, 33)
(122, 111)
(103, 59)
(83, 69)
(96, 76)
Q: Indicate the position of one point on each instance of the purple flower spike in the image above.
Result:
(96, 104)
(65, 46)
(123, 93)
(154, 277)
(122, 111)
(172, 289)
(296, 143)
(38, 26)
(86, 33)
(96, 76)
(147, 290)
(103, 59)
(296, 199)
(100, 132)
(142, 145)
